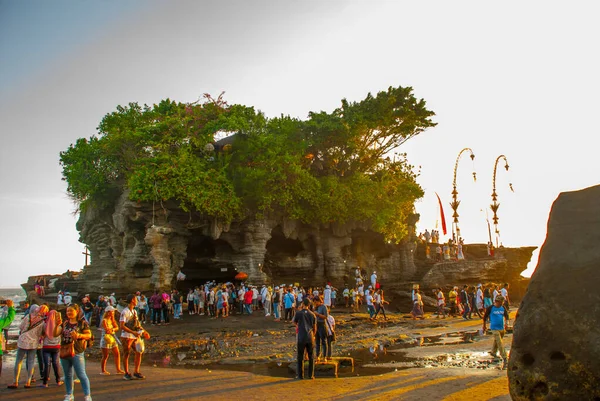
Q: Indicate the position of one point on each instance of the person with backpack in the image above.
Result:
(75, 337)
(498, 316)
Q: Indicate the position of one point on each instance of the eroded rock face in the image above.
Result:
(555, 352)
(140, 247)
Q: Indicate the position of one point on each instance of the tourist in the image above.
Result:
(267, 297)
(306, 328)
(220, 304)
(452, 295)
(30, 330)
(504, 293)
(156, 303)
(68, 299)
(496, 292)
(101, 304)
(248, 301)
(459, 252)
(276, 303)
(321, 334)
(211, 295)
(427, 236)
(254, 298)
(75, 333)
(473, 303)
(165, 305)
(288, 304)
(176, 297)
(131, 330)
(142, 307)
(354, 299)
(88, 309)
(370, 306)
(346, 294)
(374, 279)
(5, 322)
(498, 316)
(464, 301)
(112, 300)
(333, 297)
(417, 311)
(60, 299)
(327, 296)
(487, 297)
(108, 341)
(479, 299)
(438, 253)
(330, 325)
(441, 303)
(200, 300)
(380, 304)
(190, 302)
(51, 348)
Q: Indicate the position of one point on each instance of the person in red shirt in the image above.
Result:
(248, 301)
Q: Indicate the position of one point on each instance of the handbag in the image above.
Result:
(67, 350)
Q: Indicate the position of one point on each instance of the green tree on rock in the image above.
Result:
(332, 167)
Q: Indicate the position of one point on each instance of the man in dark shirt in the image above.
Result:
(306, 327)
(321, 335)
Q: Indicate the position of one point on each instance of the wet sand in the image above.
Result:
(248, 356)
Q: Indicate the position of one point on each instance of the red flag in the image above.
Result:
(442, 214)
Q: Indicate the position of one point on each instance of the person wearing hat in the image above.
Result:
(131, 330)
(108, 341)
(498, 316)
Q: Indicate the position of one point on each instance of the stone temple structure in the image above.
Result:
(140, 246)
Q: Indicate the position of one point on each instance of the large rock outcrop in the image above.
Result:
(138, 246)
(555, 353)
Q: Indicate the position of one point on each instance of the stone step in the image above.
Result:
(326, 368)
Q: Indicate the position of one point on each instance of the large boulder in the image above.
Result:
(555, 353)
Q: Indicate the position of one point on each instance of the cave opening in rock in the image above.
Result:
(288, 259)
(207, 260)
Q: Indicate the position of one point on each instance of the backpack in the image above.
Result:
(87, 343)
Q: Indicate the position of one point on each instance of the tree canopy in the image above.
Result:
(331, 167)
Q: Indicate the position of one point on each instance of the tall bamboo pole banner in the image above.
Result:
(455, 202)
(495, 205)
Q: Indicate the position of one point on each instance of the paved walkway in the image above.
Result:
(163, 384)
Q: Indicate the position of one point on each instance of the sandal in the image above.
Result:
(12, 386)
(27, 386)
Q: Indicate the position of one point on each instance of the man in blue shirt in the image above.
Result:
(498, 316)
(288, 304)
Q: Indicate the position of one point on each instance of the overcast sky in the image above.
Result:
(515, 78)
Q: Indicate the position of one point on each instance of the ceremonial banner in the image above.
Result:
(442, 214)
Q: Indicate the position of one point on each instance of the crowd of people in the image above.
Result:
(453, 249)
(44, 334)
(47, 336)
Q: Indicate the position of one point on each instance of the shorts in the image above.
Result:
(202, 304)
(103, 344)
